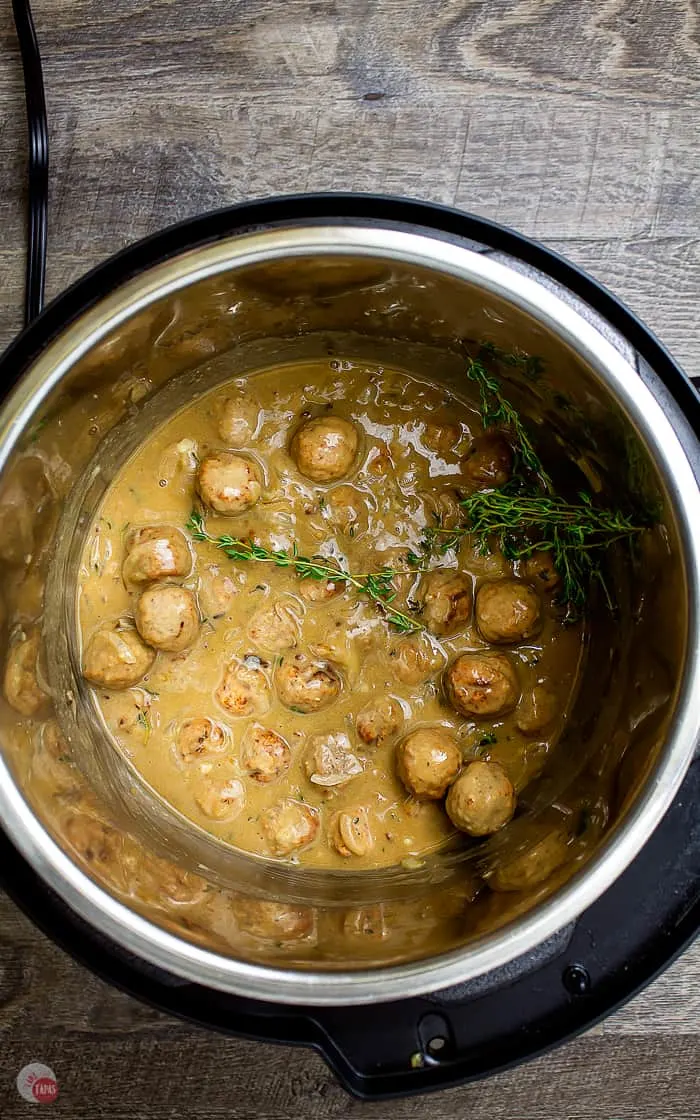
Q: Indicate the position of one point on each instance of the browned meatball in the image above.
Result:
(446, 597)
(22, 690)
(350, 833)
(427, 761)
(221, 800)
(166, 617)
(198, 738)
(482, 685)
(347, 510)
(508, 611)
(305, 685)
(482, 800)
(415, 659)
(238, 420)
(228, 483)
(244, 690)
(97, 843)
(379, 721)
(540, 571)
(272, 921)
(488, 463)
(537, 711)
(442, 437)
(156, 552)
(548, 849)
(274, 628)
(152, 877)
(289, 826)
(116, 658)
(324, 448)
(265, 754)
(329, 760)
(123, 711)
(319, 590)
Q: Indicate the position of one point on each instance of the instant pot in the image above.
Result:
(455, 991)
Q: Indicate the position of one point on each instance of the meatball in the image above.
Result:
(221, 800)
(272, 921)
(482, 800)
(22, 690)
(166, 617)
(274, 628)
(51, 762)
(347, 511)
(446, 597)
(320, 591)
(289, 826)
(116, 658)
(427, 761)
(508, 611)
(216, 592)
(367, 922)
(415, 659)
(244, 690)
(350, 834)
(124, 711)
(305, 685)
(442, 437)
(238, 421)
(489, 462)
(95, 842)
(227, 483)
(324, 449)
(265, 754)
(156, 552)
(198, 738)
(533, 866)
(537, 711)
(158, 880)
(539, 570)
(379, 721)
(329, 760)
(482, 685)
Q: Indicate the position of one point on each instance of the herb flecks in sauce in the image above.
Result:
(239, 769)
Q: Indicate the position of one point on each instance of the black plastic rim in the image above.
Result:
(306, 208)
(344, 1036)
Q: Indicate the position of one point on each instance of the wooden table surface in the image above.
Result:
(576, 121)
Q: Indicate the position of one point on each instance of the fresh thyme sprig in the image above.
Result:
(521, 524)
(495, 410)
(376, 586)
(522, 520)
(530, 365)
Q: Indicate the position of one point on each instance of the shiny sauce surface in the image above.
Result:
(407, 474)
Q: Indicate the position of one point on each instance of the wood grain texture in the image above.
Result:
(575, 121)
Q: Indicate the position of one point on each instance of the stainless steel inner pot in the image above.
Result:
(380, 292)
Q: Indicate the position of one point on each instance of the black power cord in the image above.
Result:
(37, 124)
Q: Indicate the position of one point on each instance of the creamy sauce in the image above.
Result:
(409, 467)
